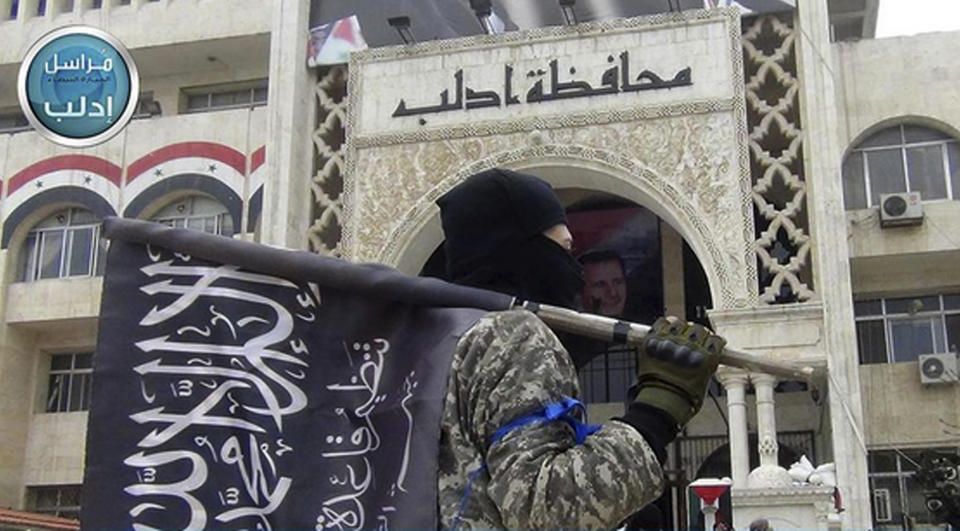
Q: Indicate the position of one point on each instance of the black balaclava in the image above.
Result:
(493, 223)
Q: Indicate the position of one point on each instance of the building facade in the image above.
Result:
(745, 192)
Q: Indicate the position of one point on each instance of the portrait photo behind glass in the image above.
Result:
(618, 244)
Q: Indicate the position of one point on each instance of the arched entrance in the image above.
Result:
(418, 233)
(636, 268)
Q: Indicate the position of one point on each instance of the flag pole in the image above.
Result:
(625, 332)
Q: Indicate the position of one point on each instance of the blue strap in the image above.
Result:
(466, 495)
(552, 411)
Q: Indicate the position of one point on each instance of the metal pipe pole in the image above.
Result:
(625, 332)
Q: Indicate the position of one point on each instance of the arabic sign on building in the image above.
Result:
(78, 86)
(615, 80)
(541, 72)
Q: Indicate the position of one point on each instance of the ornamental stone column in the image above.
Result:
(769, 473)
(735, 383)
(766, 418)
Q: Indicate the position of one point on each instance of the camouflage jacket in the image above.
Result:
(507, 366)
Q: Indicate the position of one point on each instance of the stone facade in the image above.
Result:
(346, 177)
(685, 153)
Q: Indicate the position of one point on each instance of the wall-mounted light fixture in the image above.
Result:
(152, 108)
(402, 25)
(484, 11)
(566, 8)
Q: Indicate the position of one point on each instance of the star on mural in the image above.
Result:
(212, 168)
(158, 173)
(39, 184)
(87, 179)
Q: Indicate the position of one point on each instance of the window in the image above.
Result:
(67, 244)
(904, 158)
(898, 501)
(608, 376)
(198, 213)
(70, 383)
(896, 330)
(229, 96)
(881, 505)
(55, 500)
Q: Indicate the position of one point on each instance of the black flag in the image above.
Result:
(241, 386)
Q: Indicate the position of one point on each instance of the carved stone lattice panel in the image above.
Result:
(776, 160)
(329, 140)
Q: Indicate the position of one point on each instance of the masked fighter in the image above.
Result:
(513, 451)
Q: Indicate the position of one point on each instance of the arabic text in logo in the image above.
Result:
(78, 86)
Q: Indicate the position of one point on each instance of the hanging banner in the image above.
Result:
(306, 394)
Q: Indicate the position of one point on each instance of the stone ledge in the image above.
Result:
(786, 495)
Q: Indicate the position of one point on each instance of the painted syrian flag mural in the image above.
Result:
(268, 389)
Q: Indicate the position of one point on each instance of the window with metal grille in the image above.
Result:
(903, 158)
(55, 500)
(67, 244)
(198, 213)
(608, 376)
(901, 329)
(228, 96)
(898, 498)
(70, 386)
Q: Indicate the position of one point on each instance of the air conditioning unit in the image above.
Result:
(938, 368)
(902, 208)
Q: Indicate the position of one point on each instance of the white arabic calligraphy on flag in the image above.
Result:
(231, 397)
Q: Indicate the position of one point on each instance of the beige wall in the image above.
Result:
(53, 300)
(140, 24)
(937, 232)
(55, 449)
(902, 412)
(17, 366)
(909, 260)
(884, 79)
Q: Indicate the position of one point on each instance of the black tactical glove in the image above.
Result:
(675, 364)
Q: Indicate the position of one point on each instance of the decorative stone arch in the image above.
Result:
(41, 205)
(419, 233)
(169, 189)
(682, 153)
(902, 119)
(37, 208)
